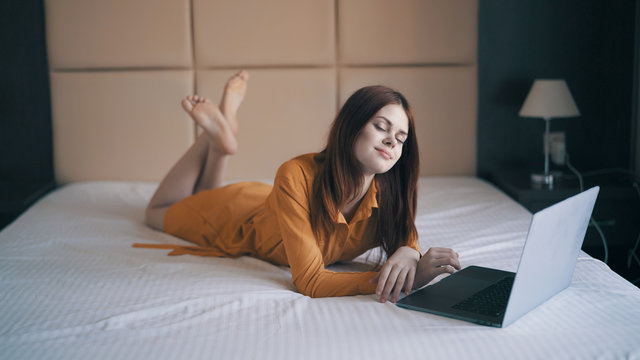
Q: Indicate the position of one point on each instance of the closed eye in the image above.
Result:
(380, 125)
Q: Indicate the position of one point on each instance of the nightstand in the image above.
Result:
(617, 210)
(17, 197)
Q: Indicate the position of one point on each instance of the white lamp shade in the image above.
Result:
(549, 99)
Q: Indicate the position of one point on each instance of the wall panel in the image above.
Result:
(259, 33)
(90, 34)
(120, 68)
(119, 125)
(408, 31)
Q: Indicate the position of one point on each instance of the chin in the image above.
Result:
(382, 169)
(376, 167)
(386, 170)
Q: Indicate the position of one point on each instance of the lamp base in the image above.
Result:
(542, 180)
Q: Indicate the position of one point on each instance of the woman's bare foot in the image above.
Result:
(234, 92)
(213, 122)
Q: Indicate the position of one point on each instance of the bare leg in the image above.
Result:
(234, 92)
(202, 166)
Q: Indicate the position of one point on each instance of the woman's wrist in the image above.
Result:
(415, 252)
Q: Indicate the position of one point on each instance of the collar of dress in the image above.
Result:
(364, 210)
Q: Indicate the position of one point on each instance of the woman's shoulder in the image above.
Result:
(301, 169)
(306, 164)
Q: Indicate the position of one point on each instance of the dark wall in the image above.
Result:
(25, 109)
(589, 43)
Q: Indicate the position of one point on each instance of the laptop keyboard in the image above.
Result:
(490, 301)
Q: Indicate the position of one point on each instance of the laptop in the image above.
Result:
(498, 298)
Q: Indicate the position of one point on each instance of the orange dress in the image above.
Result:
(272, 223)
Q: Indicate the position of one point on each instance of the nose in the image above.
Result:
(390, 141)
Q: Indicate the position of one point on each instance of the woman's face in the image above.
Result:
(379, 144)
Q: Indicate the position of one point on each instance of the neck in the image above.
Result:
(349, 209)
(366, 183)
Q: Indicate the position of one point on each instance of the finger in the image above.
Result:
(440, 250)
(382, 278)
(374, 279)
(450, 269)
(454, 260)
(411, 275)
(442, 270)
(400, 280)
(444, 252)
(448, 260)
(456, 264)
(438, 253)
(389, 284)
(442, 262)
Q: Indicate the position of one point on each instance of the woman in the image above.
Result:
(357, 194)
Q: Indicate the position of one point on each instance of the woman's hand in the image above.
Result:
(398, 272)
(436, 261)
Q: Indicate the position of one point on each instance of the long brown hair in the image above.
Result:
(339, 177)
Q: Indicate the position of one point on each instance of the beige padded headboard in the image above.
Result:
(119, 69)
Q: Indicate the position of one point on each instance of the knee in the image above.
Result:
(154, 217)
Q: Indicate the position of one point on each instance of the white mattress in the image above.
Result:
(72, 287)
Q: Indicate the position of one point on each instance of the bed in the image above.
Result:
(73, 287)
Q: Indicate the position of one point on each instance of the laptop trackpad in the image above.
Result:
(462, 287)
(457, 287)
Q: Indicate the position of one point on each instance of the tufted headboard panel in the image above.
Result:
(119, 69)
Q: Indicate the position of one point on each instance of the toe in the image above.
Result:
(187, 104)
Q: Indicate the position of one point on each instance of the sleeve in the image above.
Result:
(413, 243)
(308, 271)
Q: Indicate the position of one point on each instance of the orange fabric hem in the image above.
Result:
(184, 250)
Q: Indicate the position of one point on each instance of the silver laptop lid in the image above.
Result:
(550, 253)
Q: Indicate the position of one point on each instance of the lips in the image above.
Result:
(384, 153)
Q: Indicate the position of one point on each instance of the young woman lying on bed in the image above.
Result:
(357, 194)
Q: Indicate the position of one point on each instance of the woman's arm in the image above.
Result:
(307, 267)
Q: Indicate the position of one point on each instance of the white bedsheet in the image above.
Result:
(72, 287)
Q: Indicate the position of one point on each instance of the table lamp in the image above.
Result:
(548, 99)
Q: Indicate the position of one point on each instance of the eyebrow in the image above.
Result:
(402, 132)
